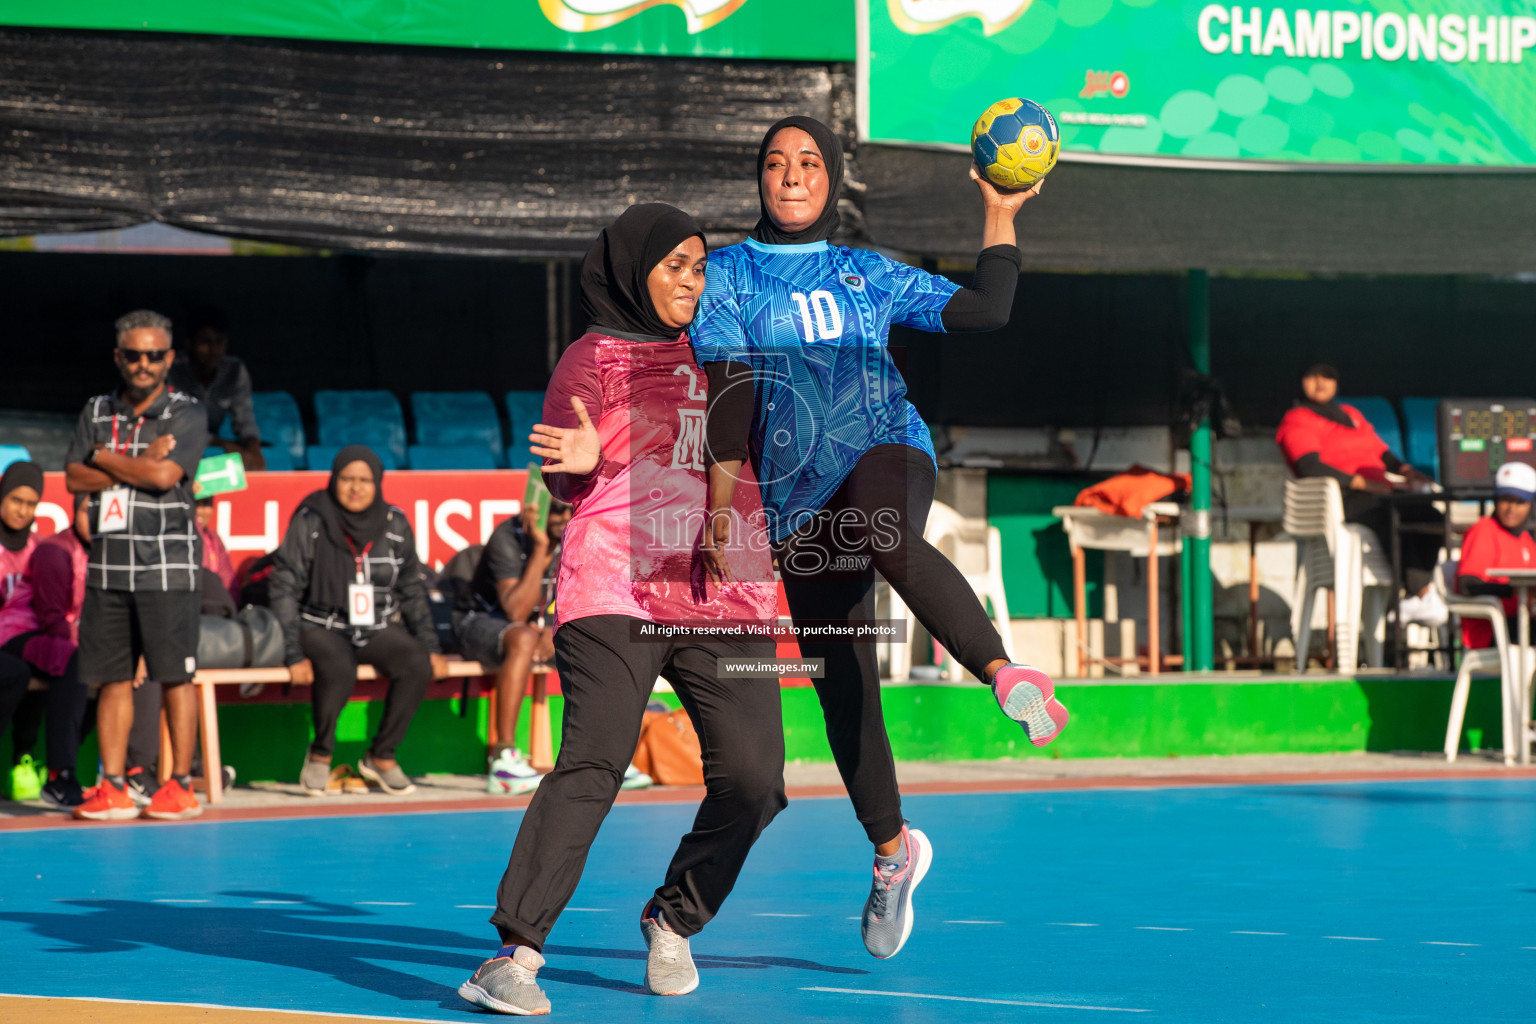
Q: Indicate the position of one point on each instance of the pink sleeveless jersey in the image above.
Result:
(631, 547)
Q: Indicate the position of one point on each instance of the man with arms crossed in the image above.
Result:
(136, 453)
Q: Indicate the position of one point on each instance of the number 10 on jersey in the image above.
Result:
(819, 315)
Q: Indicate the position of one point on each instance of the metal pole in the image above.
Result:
(1202, 628)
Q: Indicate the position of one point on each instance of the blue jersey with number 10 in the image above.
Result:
(813, 322)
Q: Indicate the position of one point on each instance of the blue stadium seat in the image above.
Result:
(278, 460)
(372, 418)
(451, 456)
(1383, 417)
(322, 455)
(281, 426)
(524, 409)
(1421, 416)
(212, 451)
(10, 453)
(456, 419)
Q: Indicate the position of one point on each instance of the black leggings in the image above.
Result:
(397, 655)
(874, 523)
(15, 674)
(607, 678)
(64, 701)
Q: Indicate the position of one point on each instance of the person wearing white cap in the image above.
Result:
(1501, 540)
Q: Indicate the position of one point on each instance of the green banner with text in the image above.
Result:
(767, 29)
(1380, 82)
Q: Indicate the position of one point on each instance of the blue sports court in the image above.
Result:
(1402, 901)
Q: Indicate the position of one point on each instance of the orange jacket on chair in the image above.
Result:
(1128, 493)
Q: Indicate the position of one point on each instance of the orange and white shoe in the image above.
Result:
(172, 802)
(105, 802)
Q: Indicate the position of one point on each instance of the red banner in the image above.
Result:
(448, 510)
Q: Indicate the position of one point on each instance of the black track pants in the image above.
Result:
(607, 678)
(880, 512)
(397, 655)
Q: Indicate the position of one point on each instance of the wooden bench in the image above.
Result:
(539, 743)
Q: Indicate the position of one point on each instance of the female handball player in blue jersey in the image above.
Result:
(793, 334)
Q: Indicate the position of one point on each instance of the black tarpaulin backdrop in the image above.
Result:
(416, 149)
(409, 149)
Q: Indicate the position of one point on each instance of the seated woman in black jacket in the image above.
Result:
(346, 586)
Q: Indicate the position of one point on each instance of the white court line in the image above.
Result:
(278, 902)
(474, 906)
(1352, 938)
(218, 1006)
(178, 901)
(1071, 924)
(1428, 942)
(1159, 928)
(780, 915)
(1258, 933)
(589, 910)
(971, 999)
(381, 903)
(975, 922)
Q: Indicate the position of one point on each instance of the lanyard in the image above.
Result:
(358, 556)
(128, 449)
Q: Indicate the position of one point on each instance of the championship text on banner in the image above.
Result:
(1421, 82)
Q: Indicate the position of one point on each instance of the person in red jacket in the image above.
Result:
(1499, 541)
(1321, 436)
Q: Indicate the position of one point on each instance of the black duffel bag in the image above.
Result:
(252, 639)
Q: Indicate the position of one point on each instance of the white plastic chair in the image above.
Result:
(944, 523)
(1497, 659)
(1343, 557)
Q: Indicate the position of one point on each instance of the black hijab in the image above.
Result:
(615, 295)
(335, 565)
(832, 155)
(19, 474)
(1331, 410)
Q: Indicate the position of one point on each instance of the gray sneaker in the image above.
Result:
(393, 781)
(508, 984)
(888, 911)
(669, 969)
(314, 777)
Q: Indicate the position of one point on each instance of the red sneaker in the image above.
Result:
(173, 803)
(105, 802)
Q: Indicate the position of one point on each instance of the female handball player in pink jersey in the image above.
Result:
(622, 439)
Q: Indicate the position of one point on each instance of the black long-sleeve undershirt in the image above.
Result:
(1474, 586)
(988, 303)
(985, 306)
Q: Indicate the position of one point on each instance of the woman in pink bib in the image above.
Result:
(623, 442)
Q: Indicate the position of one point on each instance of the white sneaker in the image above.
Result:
(511, 775)
(1427, 609)
(634, 778)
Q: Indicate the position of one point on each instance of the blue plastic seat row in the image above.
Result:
(454, 429)
(1419, 444)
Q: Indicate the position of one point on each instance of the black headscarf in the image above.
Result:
(19, 474)
(1330, 411)
(832, 155)
(615, 295)
(335, 566)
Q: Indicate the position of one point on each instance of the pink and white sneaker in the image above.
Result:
(1028, 696)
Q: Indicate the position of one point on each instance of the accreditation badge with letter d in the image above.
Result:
(360, 604)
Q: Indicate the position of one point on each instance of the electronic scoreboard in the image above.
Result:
(1478, 435)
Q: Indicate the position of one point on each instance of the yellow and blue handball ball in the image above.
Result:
(1015, 143)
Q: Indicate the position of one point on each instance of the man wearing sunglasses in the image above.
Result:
(136, 452)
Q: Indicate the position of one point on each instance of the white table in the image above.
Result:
(1139, 537)
(1522, 579)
